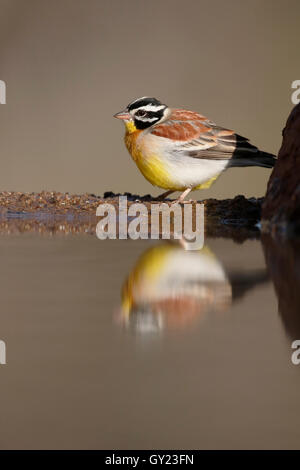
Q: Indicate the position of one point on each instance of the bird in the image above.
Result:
(157, 295)
(170, 286)
(182, 150)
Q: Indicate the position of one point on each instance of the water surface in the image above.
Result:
(140, 344)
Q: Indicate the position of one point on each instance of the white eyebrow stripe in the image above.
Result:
(146, 119)
(150, 107)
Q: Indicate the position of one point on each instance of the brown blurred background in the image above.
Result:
(69, 65)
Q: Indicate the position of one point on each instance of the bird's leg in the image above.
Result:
(163, 196)
(180, 200)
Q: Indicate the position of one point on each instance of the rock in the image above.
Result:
(283, 264)
(281, 208)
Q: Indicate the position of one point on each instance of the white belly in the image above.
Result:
(183, 171)
(191, 172)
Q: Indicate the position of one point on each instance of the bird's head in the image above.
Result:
(143, 113)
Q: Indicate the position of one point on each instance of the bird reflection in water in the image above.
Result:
(170, 288)
(283, 263)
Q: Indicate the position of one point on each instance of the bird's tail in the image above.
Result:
(264, 159)
(245, 157)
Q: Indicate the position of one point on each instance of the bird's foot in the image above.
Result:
(180, 201)
(164, 195)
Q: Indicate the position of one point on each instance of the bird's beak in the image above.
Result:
(122, 115)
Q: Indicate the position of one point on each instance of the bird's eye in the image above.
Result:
(141, 113)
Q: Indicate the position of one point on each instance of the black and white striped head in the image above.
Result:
(145, 112)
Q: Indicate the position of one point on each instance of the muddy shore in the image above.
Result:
(55, 212)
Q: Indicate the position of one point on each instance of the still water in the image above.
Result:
(139, 344)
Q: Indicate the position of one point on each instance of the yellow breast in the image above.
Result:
(148, 161)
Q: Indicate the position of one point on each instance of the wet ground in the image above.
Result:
(141, 344)
(53, 212)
